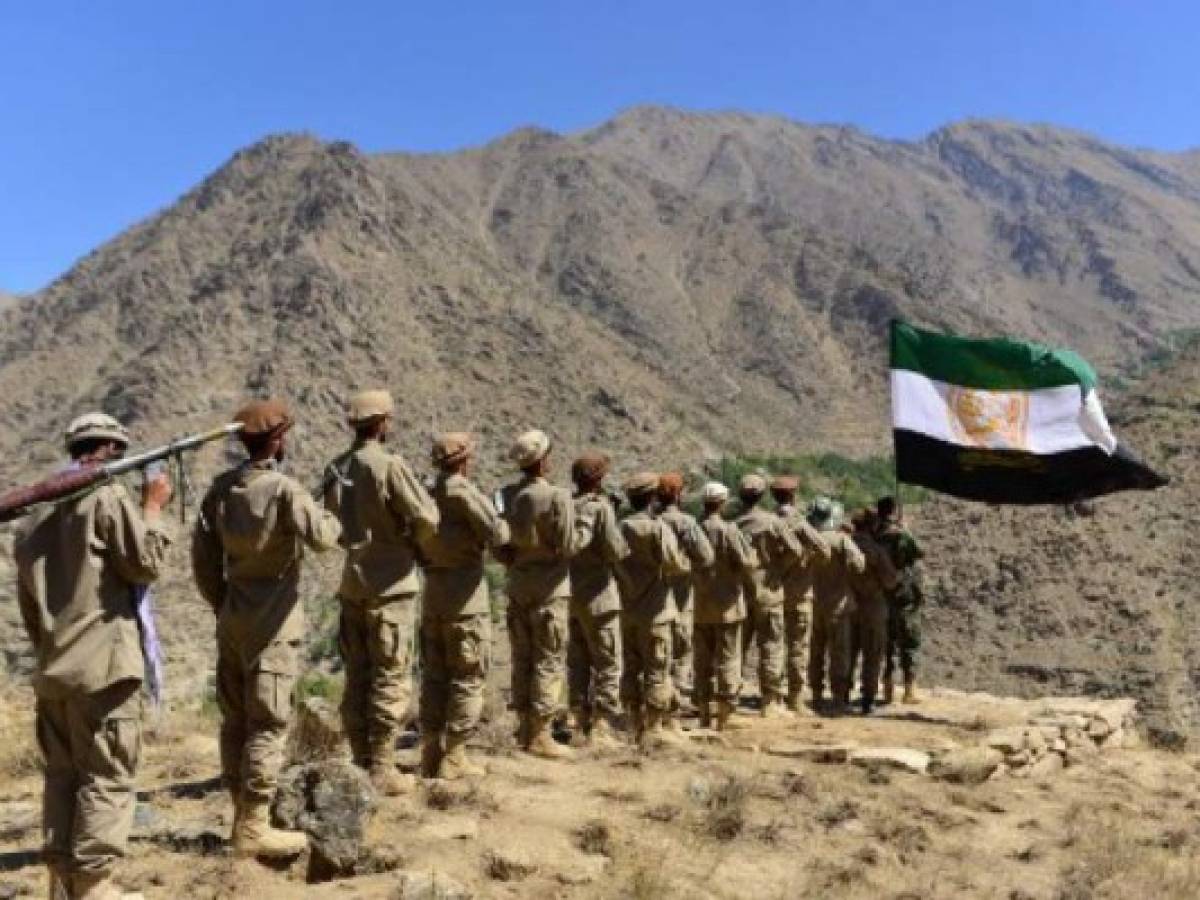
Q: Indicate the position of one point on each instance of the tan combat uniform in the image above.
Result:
(541, 518)
(247, 547)
(78, 562)
(594, 653)
(833, 608)
(797, 600)
(695, 544)
(456, 615)
(384, 511)
(719, 613)
(648, 615)
(778, 551)
(871, 590)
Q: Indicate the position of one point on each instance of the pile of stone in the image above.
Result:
(1064, 732)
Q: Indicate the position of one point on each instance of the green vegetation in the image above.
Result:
(854, 482)
(315, 683)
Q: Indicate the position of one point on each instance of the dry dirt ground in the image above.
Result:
(707, 821)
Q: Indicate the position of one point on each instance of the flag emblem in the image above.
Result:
(995, 419)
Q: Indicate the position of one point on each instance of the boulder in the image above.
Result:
(969, 766)
(915, 761)
(333, 801)
(1007, 740)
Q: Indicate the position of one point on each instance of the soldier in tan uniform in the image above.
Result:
(594, 652)
(455, 616)
(871, 590)
(833, 607)
(544, 535)
(78, 564)
(778, 551)
(247, 547)
(648, 613)
(720, 611)
(797, 586)
(695, 544)
(384, 511)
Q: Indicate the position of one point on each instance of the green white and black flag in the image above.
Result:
(1003, 421)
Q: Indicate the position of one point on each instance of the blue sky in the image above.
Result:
(112, 109)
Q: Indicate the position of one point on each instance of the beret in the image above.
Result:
(370, 405)
(590, 466)
(786, 483)
(670, 483)
(263, 417)
(641, 483)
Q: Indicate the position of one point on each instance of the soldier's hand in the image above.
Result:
(156, 493)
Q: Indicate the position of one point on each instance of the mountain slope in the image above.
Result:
(668, 284)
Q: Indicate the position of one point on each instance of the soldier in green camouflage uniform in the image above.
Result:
(905, 601)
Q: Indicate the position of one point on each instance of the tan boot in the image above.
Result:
(431, 754)
(657, 733)
(389, 781)
(795, 703)
(256, 837)
(581, 722)
(910, 690)
(889, 690)
(603, 735)
(726, 716)
(456, 764)
(97, 886)
(542, 744)
(773, 708)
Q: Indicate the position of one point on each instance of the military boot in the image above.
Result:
(773, 708)
(910, 690)
(456, 764)
(603, 736)
(98, 886)
(388, 781)
(235, 796)
(256, 837)
(581, 723)
(704, 710)
(889, 690)
(542, 743)
(657, 733)
(727, 716)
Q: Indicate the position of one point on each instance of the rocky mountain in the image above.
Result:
(668, 284)
(674, 285)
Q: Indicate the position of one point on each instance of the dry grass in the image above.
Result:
(725, 815)
(1115, 856)
(19, 753)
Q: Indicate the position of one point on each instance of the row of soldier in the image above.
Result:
(612, 606)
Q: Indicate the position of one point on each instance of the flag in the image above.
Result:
(1003, 421)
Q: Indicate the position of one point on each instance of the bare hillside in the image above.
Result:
(668, 284)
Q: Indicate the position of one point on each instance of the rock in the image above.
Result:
(586, 870)
(1035, 741)
(1077, 740)
(1048, 765)
(1060, 722)
(317, 733)
(1114, 740)
(699, 790)
(1098, 729)
(332, 801)
(970, 766)
(916, 761)
(428, 886)
(508, 864)
(1006, 740)
(818, 753)
(1131, 739)
(1058, 745)
(9, 890)
(1018, 759)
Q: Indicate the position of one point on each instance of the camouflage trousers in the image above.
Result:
(256, 702)
(829, 648)
(454, 669)
(90, 745)
(646, 654)
(537, 631)
(594, 661)
(869, 641)
(375, 642)
(718, 663)
(903, 638)
(764, 628)
(797, 620)
(681, 654)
